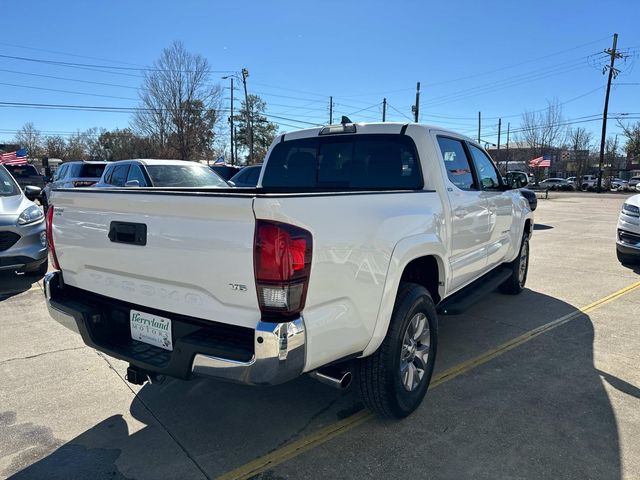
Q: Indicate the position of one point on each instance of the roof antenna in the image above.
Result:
(345, 120)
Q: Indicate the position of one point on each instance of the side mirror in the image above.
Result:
(32, 192)
(517, 179)
(132, 183)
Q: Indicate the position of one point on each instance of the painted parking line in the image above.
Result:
(325, 434)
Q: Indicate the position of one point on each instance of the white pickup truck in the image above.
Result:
(333, 266)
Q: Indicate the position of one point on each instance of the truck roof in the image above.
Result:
(370, 128)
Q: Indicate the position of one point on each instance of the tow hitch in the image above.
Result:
(139, 376)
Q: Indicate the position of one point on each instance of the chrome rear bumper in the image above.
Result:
(278, 355)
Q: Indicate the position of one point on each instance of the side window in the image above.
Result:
(487, 173)
(119, 175)
(457, 163)
(108, 172)
(136, 173)
(60, 172)
(253, 176)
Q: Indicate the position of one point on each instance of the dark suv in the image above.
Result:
(26, 175)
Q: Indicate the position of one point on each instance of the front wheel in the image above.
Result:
(519, 270)
(394, 380)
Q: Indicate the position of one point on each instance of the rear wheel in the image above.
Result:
(394, 380)
(519, 270)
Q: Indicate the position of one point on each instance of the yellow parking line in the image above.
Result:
(294, 449)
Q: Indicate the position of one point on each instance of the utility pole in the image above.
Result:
(331, 110)
(235, 134)
(506, 166)
(245, 74)
(498, 147)
(613, 73)
(384, 109)
(479, 125)
(416, 108)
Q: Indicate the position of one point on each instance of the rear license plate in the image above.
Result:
(151, 329)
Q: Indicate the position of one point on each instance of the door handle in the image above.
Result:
(127, 232)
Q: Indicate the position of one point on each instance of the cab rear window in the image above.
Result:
(91, 170)
(345, 162)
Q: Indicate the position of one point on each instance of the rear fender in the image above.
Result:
(404, 252)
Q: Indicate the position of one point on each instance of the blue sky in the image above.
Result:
(498, 57)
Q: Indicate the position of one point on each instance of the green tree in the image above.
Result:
(125, 144)
(263, 131)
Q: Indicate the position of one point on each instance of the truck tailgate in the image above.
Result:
(197, 261)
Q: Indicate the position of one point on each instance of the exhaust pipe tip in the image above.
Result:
(340, 379)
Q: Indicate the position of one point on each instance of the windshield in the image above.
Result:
(8, 185)
(22, 171)
(184, 176)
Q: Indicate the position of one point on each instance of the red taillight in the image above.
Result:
(83, 183)
(52, 250)
(282, 257)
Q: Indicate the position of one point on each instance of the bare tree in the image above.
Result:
(543, 131)
(76, 148)
(30, 138)
(56, 147)
(632, 145)
(179, 105)
(579, 140)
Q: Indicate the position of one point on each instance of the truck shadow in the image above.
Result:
(538, 411)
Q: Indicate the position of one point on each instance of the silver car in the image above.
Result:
(23, 237)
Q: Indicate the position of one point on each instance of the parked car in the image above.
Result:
(336, 262)
(618, 184)
(628, 238)
(226, 171)
(555, 184)
(75, 174)
(247, 177)
(159, 173)
(633, 181)
(589, 182)
(23, 238)
(26, 175)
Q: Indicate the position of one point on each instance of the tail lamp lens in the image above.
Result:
(282, 257)
(52, 250)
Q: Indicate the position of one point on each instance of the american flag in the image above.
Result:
(540, 162)
(18, 157)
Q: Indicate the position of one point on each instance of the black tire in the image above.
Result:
(379, 378)
(515, 283)
(626, 259)
(41, 271)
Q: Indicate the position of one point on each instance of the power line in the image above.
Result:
(110, 67)
(66, 91)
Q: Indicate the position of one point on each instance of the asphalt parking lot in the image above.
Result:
(541, 385)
